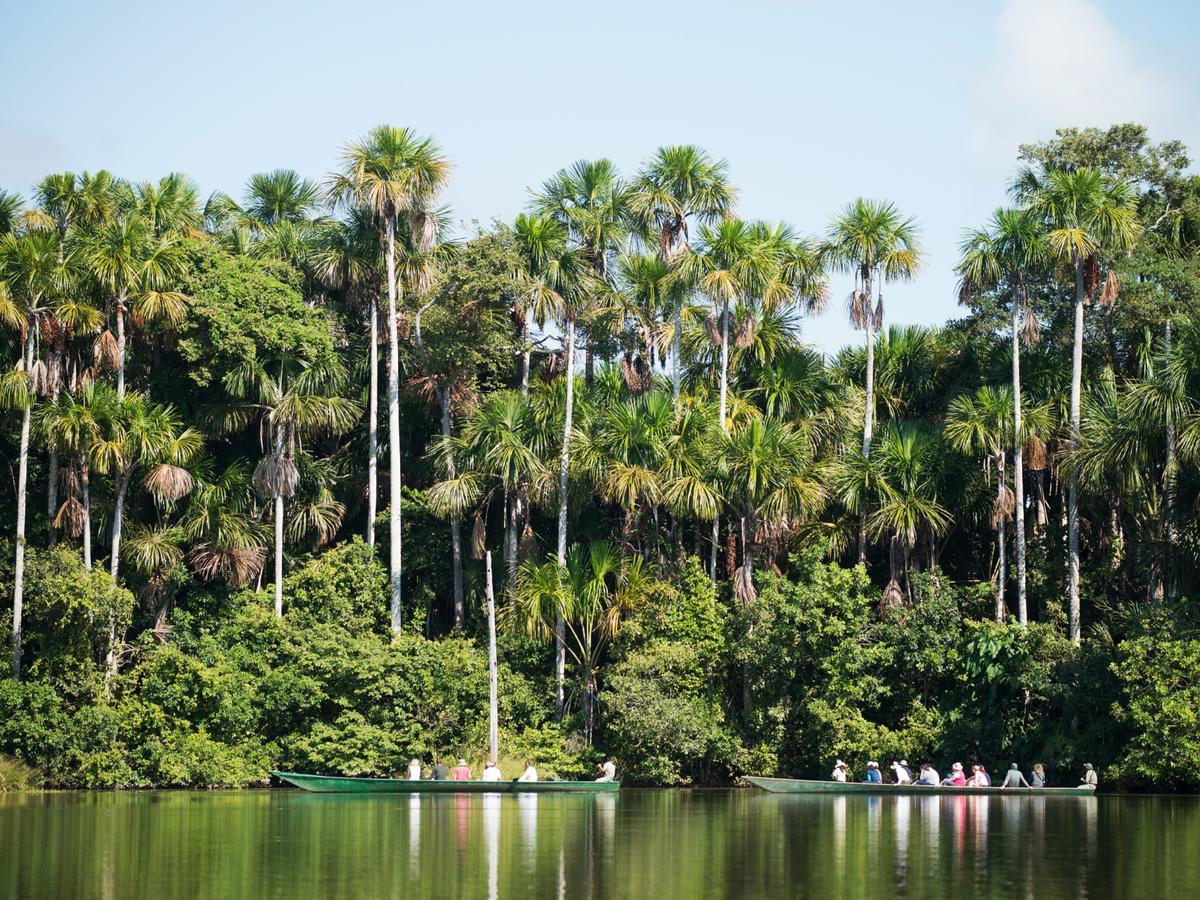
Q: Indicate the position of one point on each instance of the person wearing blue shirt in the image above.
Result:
(873, 775)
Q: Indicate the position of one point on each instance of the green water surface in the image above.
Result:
(669, 844)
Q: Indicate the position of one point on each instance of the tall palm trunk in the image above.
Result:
(1001, 534)
(560, 646)
(122, 485)
(52, 492)
(510, 537)
(716, 527)
(279, 556)
(1073, 483)
(868, 412)
(455, 524)
(121, 345)
(526, 352)
(1169, 475)
(86, 491)
(22, 483)
(1018, 466)
(393, 396)
(677, 354)
(373, 424)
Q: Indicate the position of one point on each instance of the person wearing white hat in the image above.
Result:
(956, 778)
(873, 774)
(902, 772)
(839, 771)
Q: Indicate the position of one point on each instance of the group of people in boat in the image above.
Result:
(902, 773)
(439, 771)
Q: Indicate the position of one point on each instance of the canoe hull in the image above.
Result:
(332, 784)
(804, 786)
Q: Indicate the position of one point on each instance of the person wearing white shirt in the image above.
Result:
(530, 773)
(608, 770)
(490, 772)
(839, 771)
(414, 770)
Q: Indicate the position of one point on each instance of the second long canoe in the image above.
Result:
(333, 784)
(805, 786)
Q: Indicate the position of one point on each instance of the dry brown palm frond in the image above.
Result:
(857, 307)
(879, 313)
(555, 363)
(1031, 328)
(527, 543)
(478, 536)
(1091, 276)
(1036, 455)
(68, 481)
(169, 482)
(71, 518)
(424, 386)
(1112, 284)
(714, 331)
(745, 335)
(743, 586)
(39, 379)
(403, 326)
(105, 353)
(1003, 506)
(236, 566)
(892, 597)
(275, 476)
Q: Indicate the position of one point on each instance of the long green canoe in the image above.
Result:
(333, 784)
(803, 786)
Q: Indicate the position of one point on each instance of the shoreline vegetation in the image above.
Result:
(256, 448)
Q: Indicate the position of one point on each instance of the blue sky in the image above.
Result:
(812, 103)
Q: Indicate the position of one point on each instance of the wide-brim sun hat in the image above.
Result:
(839, 765)
(904, 762)
(957, 767)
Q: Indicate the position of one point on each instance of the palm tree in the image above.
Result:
(872, 240)
(392, 172)
(678, 184)
(547, 264)
(1087, 216)
(589, 595)
(31, 276)
(226, 542)
(130, 262)
(281, 195)
(1003, 253)
(298, 400)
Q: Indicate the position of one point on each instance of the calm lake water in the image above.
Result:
(673, 844)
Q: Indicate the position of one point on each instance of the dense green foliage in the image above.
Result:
(760, 558)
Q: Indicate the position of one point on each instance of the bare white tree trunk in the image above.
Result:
(22, 484)
(393, 396)
(560, 647)
(868, 413)
(121, 346)
(1018, 467)
(526, 352)
(1169, 477)
(493, 707)
(373, 425)
(455, 524)
(1002, 569)
(677, 354)
(1074, 629)
(721, 414)
(86, 491)
(279, 556)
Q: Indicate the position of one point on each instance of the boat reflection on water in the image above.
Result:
(491, 840)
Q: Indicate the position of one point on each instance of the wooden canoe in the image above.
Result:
(804, 786)
(334, 784)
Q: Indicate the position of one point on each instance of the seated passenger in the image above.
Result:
(956, 778)
(530, 773)
(928, 775)
(873, 774)
(1014, 778)
(490, 772)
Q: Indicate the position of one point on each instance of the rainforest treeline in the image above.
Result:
(260, 450)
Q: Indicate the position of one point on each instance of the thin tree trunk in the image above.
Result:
(455, 524)
(52, 494)
(1018, 466)
(511, 531)
(22, 484)
(560, 647)
(1075, 632)
(86, 491)
(721, 412)
(373, 424)
(121, 346)
(1002, 569)
(114, 562)
(279, 556)
(677, 354)
(493, 709)
(526, 352)
(1169, 474)
(393, 396)
(868, 414)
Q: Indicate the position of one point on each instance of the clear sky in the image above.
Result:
(812, 103)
